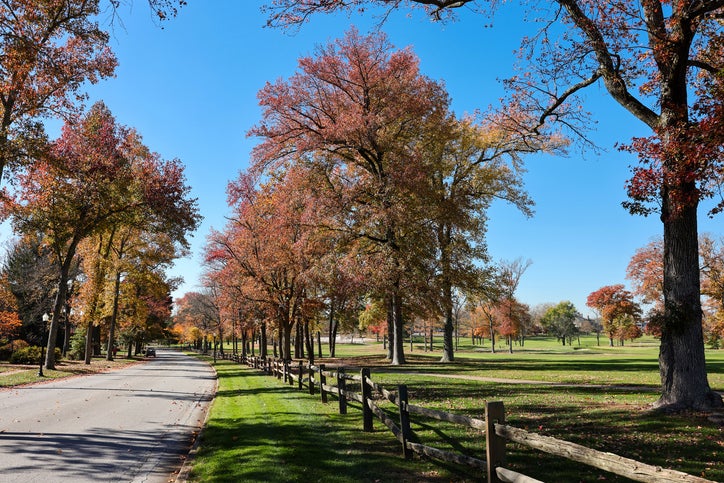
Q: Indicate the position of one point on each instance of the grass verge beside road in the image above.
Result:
(15, 375)
(260, 429)
(263, 430)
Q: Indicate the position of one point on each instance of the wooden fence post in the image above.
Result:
(495, 445)
(404, 420)
(301, 375)
(342, 386)
(322, 382)
(366, 396)
(311, 380)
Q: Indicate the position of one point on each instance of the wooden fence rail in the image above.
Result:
(497, 433)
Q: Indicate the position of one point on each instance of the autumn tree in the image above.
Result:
(661, 61)
(618, 310)
(645, 270)
(356, 109)
(198, 309)
(10, 322)
(97, 175)
(511, 318)
(470, 165)
(49, 50)
(268, 250)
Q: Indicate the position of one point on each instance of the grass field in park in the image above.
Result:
(598, 396)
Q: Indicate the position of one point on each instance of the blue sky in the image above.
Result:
(190, 89)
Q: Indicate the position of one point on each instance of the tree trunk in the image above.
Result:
(263, 351)
(114, 316)
(333, 339)
(332, 328)
(59, 304)
(398, 350)
(309, 342)
(682, 363)
(390, 327)
(285, 343)
(89, 342)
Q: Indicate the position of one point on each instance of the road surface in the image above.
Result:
(130, 425)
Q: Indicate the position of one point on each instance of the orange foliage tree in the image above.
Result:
(618, 310)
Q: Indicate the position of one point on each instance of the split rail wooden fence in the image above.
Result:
(315, 378)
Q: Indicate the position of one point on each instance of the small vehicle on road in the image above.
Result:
(150, 352)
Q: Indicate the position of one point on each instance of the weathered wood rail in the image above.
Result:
(496, 432)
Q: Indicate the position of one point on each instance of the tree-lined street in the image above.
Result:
(133, 424)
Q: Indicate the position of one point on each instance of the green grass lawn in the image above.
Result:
(260, 429)
(597, 396)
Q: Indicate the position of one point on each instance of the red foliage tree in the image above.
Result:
(617, 308)
(49, 50)
(355, 110)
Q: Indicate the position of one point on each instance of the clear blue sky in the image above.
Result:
(190, 89)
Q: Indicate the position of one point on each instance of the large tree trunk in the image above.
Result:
(681, 357)
(398, 350)
(263, 342)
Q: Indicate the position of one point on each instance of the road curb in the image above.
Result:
(183, 474)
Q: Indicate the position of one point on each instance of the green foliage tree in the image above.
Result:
(559, 320)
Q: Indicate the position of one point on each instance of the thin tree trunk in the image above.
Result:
(89, 342)
(308, 341)
(390, 328)
(398, 352)
(114, 316)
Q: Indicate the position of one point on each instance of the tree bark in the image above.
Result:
(390, 327)
(682, 363)
(59, 303)
(448, 350)
(332, 329)
(114, 316)
(263, 351)
(398, 350)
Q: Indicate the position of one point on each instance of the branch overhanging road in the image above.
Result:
(130, 425)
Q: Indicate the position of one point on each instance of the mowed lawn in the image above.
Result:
(263, 430)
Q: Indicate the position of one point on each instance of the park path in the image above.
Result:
(130, 425)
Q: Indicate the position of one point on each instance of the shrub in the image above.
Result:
(77, 346)
(6, 351)
(30, 355)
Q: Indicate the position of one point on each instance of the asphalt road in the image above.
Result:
(131, 425)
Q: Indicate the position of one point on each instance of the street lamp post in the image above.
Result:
(46, 318)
